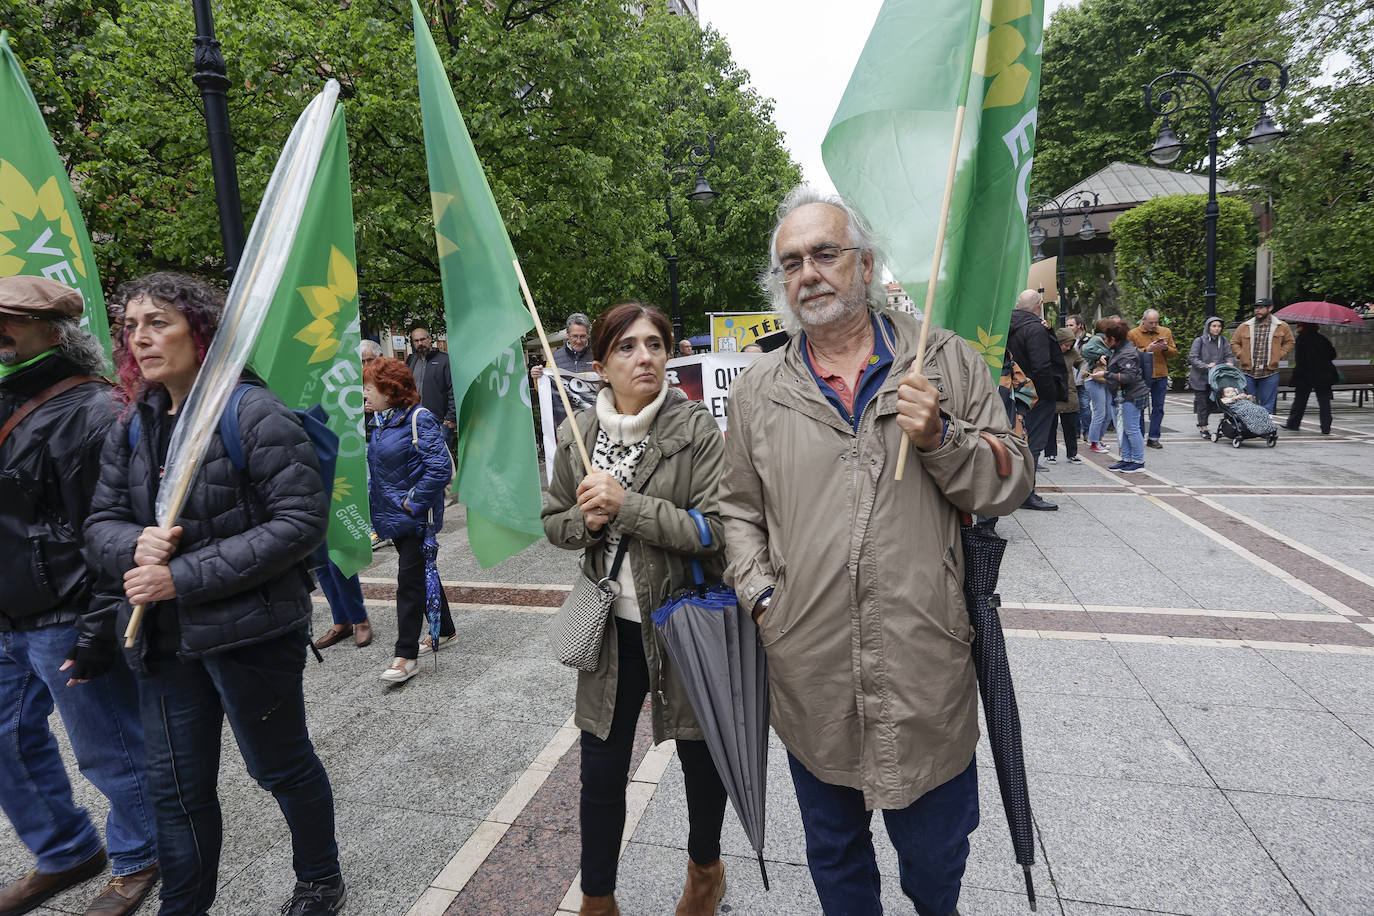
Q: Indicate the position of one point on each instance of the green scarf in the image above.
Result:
(6, 371)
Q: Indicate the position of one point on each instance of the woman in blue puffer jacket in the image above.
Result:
(409, 470)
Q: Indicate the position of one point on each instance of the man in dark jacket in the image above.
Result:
(1036, 351)
(54, 415)
(434, 381)
(572, 358)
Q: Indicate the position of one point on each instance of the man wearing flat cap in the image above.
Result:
(55, 413)
(1259, 345)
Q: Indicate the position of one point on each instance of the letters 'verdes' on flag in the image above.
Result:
(307, 350)
(41, 229)
(498, 474)
(888, 147)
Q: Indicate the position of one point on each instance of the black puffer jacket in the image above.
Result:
(48, 471)
(1036, 351)
(238, 571)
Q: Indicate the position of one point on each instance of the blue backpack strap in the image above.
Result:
(229, 426)
(135, 430)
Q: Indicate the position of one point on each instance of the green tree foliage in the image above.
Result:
(572, 106)
(1320, 179)
(1161, 260)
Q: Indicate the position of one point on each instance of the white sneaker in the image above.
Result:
(1052, 458)
(427, 649)
(399, 674)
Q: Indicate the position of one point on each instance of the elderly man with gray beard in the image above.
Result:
(853, 577)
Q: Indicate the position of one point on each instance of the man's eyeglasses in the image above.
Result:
(824, 259)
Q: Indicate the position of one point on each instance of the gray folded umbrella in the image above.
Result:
(720, 661)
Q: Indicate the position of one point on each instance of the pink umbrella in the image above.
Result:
(1321, 313)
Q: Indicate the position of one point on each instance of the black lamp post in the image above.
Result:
(1256, 80)
(698, 157)
(1049, 208)
(211, 77)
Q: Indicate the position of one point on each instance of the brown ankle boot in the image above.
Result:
(603, 905)
(705, 887)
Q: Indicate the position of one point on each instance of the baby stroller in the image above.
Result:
(1240, 419)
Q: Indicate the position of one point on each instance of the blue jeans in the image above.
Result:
(930, 836)
(1085, 410)
(1159, 387)
(1100, 400)
(1264, 390)
(1132, 439)
(258, 687)
(102, 722)
(345, 595)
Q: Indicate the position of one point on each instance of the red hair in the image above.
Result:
(392, 380)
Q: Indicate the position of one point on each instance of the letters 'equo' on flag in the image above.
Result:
(889, 143)
(498, 475)
(42, 232)
(307, 350)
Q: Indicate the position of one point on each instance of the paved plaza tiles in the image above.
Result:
(1194, 657)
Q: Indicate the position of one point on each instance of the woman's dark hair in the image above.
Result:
(616, 320)
(392, 380)
(1115, 328)
(198, 300)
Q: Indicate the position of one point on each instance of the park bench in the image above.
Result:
(1358, 379)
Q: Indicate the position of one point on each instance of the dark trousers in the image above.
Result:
(183, 705)
(1159, 387)
(344, 594)
(1202, 406)
(1039, 425)
(606, 771)
(410, 596)
(1069, 423)
(1300, 395)
(930, 836)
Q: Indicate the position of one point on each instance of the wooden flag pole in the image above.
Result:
(553, 367)
(980, 56)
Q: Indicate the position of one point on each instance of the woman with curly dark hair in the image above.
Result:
(227, 595)
(408, 471)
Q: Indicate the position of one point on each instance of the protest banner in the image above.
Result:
(733, 331)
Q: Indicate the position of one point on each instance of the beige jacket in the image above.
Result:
(1280, 344)
(870, 672)
(680, 471)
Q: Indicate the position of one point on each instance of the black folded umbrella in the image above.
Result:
(983, 550)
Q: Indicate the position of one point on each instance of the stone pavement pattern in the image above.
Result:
(1194, 658)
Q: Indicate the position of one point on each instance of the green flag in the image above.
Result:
(888, 147)
(498, 474)
(42, 232)
(307, 350)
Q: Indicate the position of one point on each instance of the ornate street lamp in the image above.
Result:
(698, 157)
(211, 77)
(1256, 82)
(1049, 208)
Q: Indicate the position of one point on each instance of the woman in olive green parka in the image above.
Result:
(655, 455)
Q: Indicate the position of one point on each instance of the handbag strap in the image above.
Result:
(33, 403)
(619, 556)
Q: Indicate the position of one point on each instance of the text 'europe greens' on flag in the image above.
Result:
(41, 229)
(307, 350)
(498, 474)
(889, 142)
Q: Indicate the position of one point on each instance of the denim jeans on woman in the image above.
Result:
(258, 687)
(1100, 400)
(102, 722)
(1132, 439)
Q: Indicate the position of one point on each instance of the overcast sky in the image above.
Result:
(800, 54)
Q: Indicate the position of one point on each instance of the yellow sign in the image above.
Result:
(731, 332)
